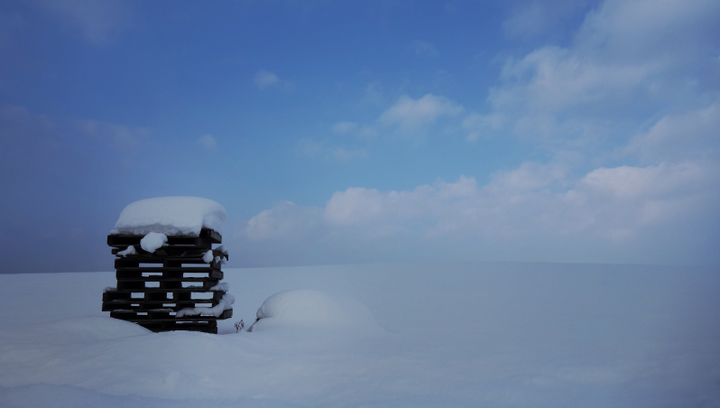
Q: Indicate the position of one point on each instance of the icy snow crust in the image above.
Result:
(172, 216)
(462, 335)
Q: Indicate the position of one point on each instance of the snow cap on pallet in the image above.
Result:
(172, 216)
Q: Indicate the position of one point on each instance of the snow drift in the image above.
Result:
(314, 309)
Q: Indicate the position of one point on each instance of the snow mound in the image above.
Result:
(184, 216)
(313, 309)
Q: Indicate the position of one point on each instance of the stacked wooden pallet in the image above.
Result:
(163, 290)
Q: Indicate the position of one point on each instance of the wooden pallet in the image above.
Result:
(153, 287)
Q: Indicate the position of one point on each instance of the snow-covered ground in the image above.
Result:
(395, 335)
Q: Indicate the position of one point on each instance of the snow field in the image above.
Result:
(457, 335)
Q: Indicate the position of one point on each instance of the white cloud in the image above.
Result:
(535, 205)
(285, 220)
(628, 60)
(554, 80)
(530, 176)
(207, 142)
(366, 132)
(526, 21)
(695, 133)
(374, 94)
(482, 125)
(31, 142)
(628, 183)
(345, 127)
(424, 49)
(265, 79)
(361, 206)
(99, 21)
(323, 150)
(638, 30)
(535, 20)
(119, 136)
(412, 115)
(354, 128)
(355, 206)
(21, 127)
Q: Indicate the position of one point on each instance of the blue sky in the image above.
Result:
(374, 131)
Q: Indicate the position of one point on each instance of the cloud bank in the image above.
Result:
(414, 115)
(627, 119)
(612, 212)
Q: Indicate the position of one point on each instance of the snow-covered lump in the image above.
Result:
(172, 216)
(153, 241)
(129, 251)
(310, 308)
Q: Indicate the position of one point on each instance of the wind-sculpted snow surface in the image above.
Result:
(455, 335)
(171, 216)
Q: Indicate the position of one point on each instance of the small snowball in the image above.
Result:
(129, 251)
(208, 257)
(221, 287)
(153, 241)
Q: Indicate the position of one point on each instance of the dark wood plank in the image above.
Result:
(158, 279)
(145, 305)
(160, 269)
(132, 316)
(204, 240)
(139, 286)
(119, 292)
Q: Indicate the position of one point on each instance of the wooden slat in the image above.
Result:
(145, 306)
(158, 317)
(182, 269)
(204, 240)
(133, 261)
(169, 274)
(139, 286)
(168, 254)
(159, 279)
(122, 292)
